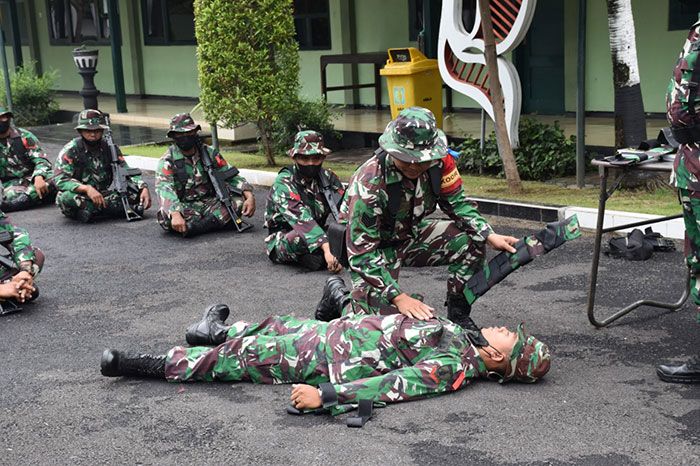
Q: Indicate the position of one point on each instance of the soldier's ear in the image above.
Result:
(494, 354)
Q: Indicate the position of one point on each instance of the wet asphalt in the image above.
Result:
(131, 286)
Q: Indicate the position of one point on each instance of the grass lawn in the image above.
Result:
(659, 202)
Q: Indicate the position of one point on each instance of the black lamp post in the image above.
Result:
(86, 61)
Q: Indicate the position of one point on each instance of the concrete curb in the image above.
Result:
(587, 217)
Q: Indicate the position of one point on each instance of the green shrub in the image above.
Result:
(33, 97)
(305, 114)
(544, 153)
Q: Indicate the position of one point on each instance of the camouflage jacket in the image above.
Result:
(76, 165)
(395, 358)
(20, 247)
(296, 203)
(686, 167)
(172, 192)
(365, 206)
(29, 164)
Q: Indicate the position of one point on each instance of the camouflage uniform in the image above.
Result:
(376, 254)
(195, 198)
(297, 209)
(381, 358)
(22, 160)
(20, 249)
(78, 164)
(686, 172)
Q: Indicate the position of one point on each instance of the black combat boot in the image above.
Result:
(335, 297)
(83, 216)
(118, 363)
(458, 311)
(687, 373)
(211, 330)
(313, 262)
(204, 225)
(23, 201)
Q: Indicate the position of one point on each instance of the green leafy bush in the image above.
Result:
(248, 60)
(33, 97)
(305, 114)
(544, 153)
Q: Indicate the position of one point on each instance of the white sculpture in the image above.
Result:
(461, 54)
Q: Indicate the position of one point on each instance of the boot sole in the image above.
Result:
(676, 378)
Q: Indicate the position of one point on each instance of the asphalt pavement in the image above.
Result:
(131, 286)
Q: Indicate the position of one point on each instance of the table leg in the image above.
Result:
(596, 247)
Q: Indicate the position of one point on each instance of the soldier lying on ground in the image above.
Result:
(83, 174)
(339, 363)
(188, 201)
(25, 171)
(303, 196)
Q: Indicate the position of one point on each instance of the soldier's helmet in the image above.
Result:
(5, 112)
(308, 143)
(91, 119)
(182, 123)
(529, 361)
(413, 136)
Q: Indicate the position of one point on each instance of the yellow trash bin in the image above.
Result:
(413, 80)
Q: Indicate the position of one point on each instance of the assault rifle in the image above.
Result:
(221, 187)
(332, 197)
(120, 178)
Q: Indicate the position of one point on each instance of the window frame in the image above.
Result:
(165, 23)
(307, 17)
(72, 40)
(677, 18)
(23, 25)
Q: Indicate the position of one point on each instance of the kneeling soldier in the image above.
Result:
(84, 175)
(25, 171)
(189, 202)
(300, 201)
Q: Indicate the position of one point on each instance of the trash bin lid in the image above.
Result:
(406, 61)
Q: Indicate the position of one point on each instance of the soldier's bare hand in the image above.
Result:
(145, 199)
(42, 188)
(177, 222)
(23, 276)
(96, 197)
(249, 204)
(332, 262)
(412, 307)
(15, 290)
(305, 397)
(502, 242)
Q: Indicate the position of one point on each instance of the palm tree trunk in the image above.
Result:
(630, 122)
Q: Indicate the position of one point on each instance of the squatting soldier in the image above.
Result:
(300, 201)
(83, 175)
(20, 263)
(188, 202)
(379, 358)
(25, 171)
(386, 207)
(683, 113)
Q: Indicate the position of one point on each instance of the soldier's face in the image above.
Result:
(91, 134)
(413, 170)
(305, 160)
(501, 339)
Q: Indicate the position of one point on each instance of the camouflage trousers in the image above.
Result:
(286, 247)
(437, 242)
(273, 351)
(195, 212)
(20, 194)
(691, 217)
(72, 204)
(6, 275)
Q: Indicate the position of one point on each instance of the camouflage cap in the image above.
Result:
(4, 111)
(182, 123)
(529, 361)
(91, 119)
(308, 143)
(413, 136)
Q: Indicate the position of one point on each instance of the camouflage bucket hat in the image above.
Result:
(308, 143)
(182, 123)
(529, 360)
(413, 136)
(4, 111)
(91, 119)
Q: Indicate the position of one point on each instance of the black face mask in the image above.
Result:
(92, 144)
(186, 142)
(4, 126)
(309, 171)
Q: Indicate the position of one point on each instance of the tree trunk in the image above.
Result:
(264, 127)
(504, 148)
(630, 121)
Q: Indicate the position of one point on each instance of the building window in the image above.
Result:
(682, 14)
(6, 22)
(168, 22)
(415, 19)
(313, 24)
(78, 21)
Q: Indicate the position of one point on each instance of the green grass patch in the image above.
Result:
(658, 202)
